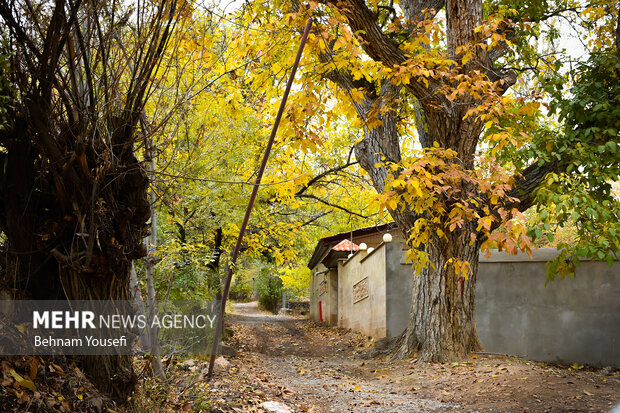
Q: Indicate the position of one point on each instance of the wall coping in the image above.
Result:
(345, 261)
(539, 255)
(368, 254)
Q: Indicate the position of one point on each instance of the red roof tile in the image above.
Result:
(346, 245)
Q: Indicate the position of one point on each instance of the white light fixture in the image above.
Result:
(371, 249)
(350, 255)
(363, 246)
(387, 237)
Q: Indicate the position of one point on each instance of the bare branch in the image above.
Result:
(323, 201)
(327, 172)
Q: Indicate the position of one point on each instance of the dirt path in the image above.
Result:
(314, 368)
(318, 367)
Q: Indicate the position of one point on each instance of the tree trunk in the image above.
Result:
(139, 306)
(73, 200)
(149, 267)
(442, 326)
(61, 250)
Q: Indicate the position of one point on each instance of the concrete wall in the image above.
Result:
(324, 289)
(367, 315)
(571, 320)
(398, 289)
(318, 290)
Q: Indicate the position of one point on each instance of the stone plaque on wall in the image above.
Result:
(360, 290)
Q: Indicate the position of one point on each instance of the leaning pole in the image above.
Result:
(256, 186)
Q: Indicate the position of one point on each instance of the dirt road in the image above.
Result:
(309, 367)
(319, 367)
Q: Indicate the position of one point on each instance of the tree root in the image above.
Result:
(399, 348)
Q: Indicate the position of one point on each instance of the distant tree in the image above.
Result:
(269, 288)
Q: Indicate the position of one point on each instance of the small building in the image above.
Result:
(568, 321)
(324, 263)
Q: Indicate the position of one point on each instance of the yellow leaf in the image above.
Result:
(488, 124)
(416, 188)
(467, 57)
(28, 384)
(16, 376)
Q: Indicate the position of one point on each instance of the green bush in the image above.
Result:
(241, 288)
(269, 290)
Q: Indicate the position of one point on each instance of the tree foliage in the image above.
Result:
(459, 104)
(209, 150)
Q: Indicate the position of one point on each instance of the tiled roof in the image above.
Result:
(346, 245)
(323, 245)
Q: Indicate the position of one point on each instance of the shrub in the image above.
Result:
(269, 289)
(241, 288)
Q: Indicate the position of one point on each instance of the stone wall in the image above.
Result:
(301, 307)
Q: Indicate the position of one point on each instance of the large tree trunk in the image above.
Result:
(73, 200)
(80, 254)
(442, 326)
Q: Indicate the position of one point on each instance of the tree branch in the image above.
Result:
(327, 172)
(363, 22)
(323, 201)
(525, 188)
(311, 220)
